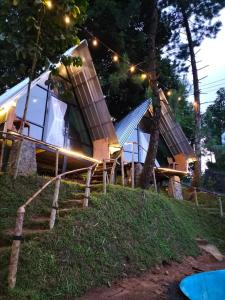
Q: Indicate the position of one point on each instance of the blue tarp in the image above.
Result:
(204, 286)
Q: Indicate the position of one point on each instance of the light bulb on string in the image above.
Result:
(179, 99)
(143, 76)
(115, 58)
(67, 19)
(132, 69)
(95, 42)
(169, 93)
(48, 4)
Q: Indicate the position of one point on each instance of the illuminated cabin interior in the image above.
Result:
(134, 133)
(72, 116)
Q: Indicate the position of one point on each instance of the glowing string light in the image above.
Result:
(132, 69)
(67, 19)
(143, 76)
(49, 4)
(115, 58)
(95, 42)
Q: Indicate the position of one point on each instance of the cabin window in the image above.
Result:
(36, 106)
(128, 147)
(56, 118)
(35, 131)
(77, 137)
(144, 139)
(35, 113)
(55, 122)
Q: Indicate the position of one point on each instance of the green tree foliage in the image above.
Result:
(196, 18)
(214, 120)
(200, 15)
(124, 27)
(20, 21)
(213, 127)
(182, 109)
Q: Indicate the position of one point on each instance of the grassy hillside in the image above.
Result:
(124, 232)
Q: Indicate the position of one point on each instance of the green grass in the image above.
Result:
(15, 193)
(121, 233)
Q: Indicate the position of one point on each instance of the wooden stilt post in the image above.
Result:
(112, 174)
(122, 167)
(132, 167)
(87, 188)
(57, 163)
(221, 206)
(18, 157)
(2, 154)
(104, 176)
(16, 248)
(154, 179)
(196, 196)
(55, 204)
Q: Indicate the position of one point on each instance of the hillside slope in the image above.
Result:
(121, 233)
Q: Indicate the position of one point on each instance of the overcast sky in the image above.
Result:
(212, 53)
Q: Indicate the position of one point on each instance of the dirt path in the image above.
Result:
(158, 283)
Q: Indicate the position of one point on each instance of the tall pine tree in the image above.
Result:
(196, 18)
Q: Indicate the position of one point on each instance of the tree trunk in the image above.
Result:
(197, 165)
(32, 72)
(147, 173)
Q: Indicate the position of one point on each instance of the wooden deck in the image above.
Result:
(46, 157)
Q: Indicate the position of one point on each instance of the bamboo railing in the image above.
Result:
(112, 173)
(17, 238)
(12, 135)
(14, 258)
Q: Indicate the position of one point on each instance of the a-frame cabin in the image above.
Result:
(72, 118)
(134, 133)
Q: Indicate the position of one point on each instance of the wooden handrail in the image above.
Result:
(58, 150)
(22, 136)
(20, 219)
(52, 180)
(115, 162)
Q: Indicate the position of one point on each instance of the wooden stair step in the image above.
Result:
(39, 222)
(96, 186)
(79, 196)
(40, 219)
(101, 169)
(97, 176)
(72, 203)
(96, 182)
(100, 174)
(65, 211)
(107, 162)
(28, 231)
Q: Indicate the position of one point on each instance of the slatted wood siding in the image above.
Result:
(91, 98)
(172, 131)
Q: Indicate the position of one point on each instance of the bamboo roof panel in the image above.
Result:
(91, 98)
